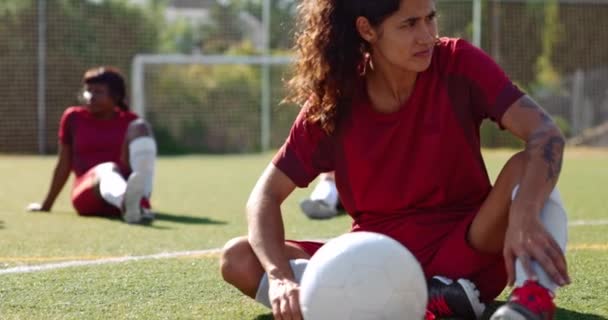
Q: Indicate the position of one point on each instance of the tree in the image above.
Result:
(80, 34)
(282, 20)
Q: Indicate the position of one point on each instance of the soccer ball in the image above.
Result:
(363, 275)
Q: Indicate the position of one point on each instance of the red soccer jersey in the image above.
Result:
(93, 140)
(424, 158)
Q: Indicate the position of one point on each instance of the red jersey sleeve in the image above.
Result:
(66, 126)
(306, 152)
(130, 116)
(492, 92)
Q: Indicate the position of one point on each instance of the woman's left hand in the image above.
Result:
(36, 207)
(527, 240)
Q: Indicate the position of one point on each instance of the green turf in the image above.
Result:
(200, 200)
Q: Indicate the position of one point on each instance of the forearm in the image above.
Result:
(60, 176)
(544, 154)
(267, 237)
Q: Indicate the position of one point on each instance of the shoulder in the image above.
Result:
(75, 112)
(78, 110)
(455, 56)
(306, 131)
(452, 53)
(127, 115)
(305, 116)
(451, 47)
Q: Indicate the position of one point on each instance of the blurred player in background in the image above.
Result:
(395, 111)
(110, 150)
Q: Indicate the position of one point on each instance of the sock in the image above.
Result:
(553, 217)
(112, 185)
(142, 158)
(327, 192)
(297, 267)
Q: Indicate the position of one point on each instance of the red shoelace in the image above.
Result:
(439, 307)
(429, 315)
(535, 298)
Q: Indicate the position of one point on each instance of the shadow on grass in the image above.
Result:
(561, 314)
(1, 224)
(161, 216)
(118, 219)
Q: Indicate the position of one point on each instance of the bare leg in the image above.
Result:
(487, 231)
(241, 268)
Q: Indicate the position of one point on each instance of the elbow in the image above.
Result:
(262, 200)
(253, 202)
(63, 169)
(557, 137)
(547, 131)
(254, 207)
(546, 139)
(557, 133)
(552, 130)
(261, 210)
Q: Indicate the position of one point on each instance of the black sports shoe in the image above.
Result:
(454, 299)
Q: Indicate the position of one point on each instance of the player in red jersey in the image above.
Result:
(395, 111)
(110, 150)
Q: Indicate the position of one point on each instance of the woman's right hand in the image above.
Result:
(37, 207)
(284, 297)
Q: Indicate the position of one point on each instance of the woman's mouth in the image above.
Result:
(424, 53)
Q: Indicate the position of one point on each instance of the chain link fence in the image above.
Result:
(552, 49)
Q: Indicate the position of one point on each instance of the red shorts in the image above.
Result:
(86, 199)
(441, 247)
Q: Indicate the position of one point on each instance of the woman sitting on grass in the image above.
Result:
(110, 150)
(395, 112)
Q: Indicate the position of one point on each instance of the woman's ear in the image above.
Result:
(365, 29)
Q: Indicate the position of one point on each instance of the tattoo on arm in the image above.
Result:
(544, 141)
(544, 117)
(528, 103)
(550, 147)
(552, 154)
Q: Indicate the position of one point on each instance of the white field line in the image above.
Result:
(80, 263)
(578, 223)
(177, 254)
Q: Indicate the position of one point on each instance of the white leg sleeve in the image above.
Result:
(297, 267)
(112, 185)
(142, 158)
(327, 192)
(553, 216)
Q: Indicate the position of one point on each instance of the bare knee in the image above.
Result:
(488, 228)
(240, 267)
(513, 170)
(138, 128)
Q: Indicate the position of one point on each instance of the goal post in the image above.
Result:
(142, 61)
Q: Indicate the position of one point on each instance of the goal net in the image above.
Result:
(213, 104)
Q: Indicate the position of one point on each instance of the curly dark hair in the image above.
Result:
(111, 77)
(329, 51)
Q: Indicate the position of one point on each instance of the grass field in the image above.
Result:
(200, 200)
